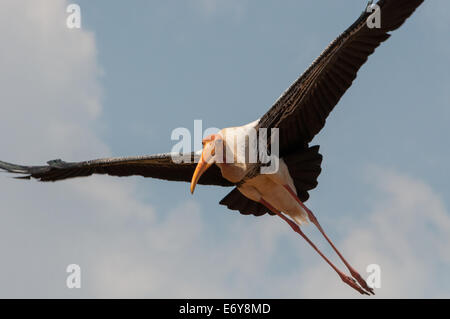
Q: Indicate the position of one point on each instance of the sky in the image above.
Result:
(137, 70)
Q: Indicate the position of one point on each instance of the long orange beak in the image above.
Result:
(202, 166)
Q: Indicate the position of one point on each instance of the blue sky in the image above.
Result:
(138, 70)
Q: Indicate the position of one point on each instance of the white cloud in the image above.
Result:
(49, 83)
(51, 98)
(178, 257)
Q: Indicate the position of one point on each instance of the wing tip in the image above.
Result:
(10, 168)
(13, 168)
(25, 172)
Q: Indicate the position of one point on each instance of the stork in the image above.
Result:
(298, 115)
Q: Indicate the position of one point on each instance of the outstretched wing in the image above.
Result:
(162, 166)
(300, 113)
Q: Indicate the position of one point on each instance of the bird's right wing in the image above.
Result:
(162, 166)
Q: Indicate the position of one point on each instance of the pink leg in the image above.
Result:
(314, 220)
(348, 280)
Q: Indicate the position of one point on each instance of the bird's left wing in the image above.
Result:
(162, 166)
(300, 113)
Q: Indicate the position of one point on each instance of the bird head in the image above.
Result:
(207, 159)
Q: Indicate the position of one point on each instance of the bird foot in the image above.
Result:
(361, 281)
(352, 283)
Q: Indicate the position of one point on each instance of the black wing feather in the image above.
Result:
(300, 113)
(161, 166)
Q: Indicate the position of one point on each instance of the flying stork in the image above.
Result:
(299, 114)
